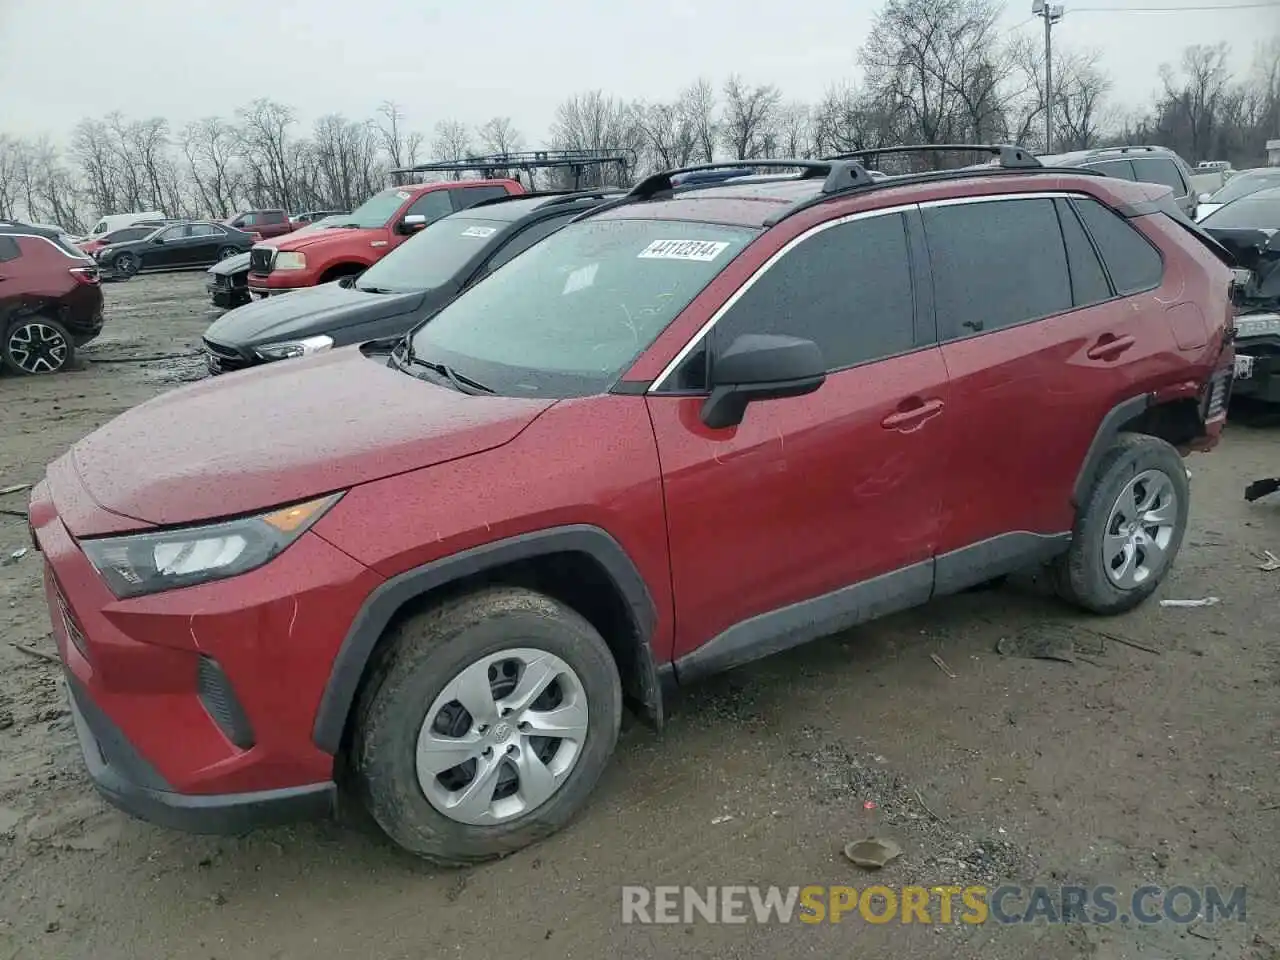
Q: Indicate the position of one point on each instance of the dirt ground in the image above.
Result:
(1132, 765)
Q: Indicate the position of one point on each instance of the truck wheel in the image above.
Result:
(1129, 529)
(485, 724)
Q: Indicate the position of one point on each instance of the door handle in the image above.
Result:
(1109, 346)
(912, 414)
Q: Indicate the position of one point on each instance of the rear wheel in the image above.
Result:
(485, 725)
(37, 345)
(225, 252)
(1129, 528)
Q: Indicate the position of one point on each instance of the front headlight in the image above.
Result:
(291, 260)
(294, 348)
(149, 562)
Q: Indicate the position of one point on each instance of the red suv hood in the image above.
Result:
(294, 429)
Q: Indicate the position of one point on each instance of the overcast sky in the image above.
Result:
(61, 60)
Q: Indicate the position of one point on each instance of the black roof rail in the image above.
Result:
(570, 196)
(837, 175)
(1010, 156)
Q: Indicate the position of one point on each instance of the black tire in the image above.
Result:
(37, 345)
(225, 252)
(125, 265)
(416, 660)
(1081, 577)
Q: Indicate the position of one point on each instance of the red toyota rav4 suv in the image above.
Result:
(363, 236)
(697, 426)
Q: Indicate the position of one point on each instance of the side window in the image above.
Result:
(99, 228)
(1120, 169)
(464, 197)
(9, 249)
(247, 220)
(1088, 279)
(1132, 262)
(173, 233)
(202, 230)
(523, 240)
(274, 216)
(433, 205)
(847, 288)
(996, 264)
(1160, 170)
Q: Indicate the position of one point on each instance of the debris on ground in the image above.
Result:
(38, 654)
(1050, 645)
(872, 853)
(14, 488)
(716, 821)
(942, 665)
(869, 805)
(1269, 561)
(1202, 602)
(15, 556)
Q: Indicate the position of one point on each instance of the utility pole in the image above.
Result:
(1051, 13)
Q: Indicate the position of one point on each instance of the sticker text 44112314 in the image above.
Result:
(703, 251)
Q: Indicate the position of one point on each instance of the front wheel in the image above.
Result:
(485, 725)
(1129, 528)
(125, 264)
(37, 345)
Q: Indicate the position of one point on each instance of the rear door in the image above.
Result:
(202, 245)
(773, 518)
(1039, 344)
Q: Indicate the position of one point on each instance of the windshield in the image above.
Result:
(374, 212)
(1250, 213)
(1241, 185)
(432, 257)
(570, 314)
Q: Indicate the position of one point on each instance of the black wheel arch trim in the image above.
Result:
(383, 603)
(1103, 438)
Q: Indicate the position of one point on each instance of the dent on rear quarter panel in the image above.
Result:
(592, 461)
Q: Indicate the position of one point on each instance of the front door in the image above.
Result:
(164, 249)
(815, 512)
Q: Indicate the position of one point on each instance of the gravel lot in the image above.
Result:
(1127, 767)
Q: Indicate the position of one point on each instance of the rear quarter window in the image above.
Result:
(1133, 264)
(9, 249)
(1120, 169)
(1160, 170)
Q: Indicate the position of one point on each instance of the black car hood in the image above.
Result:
(307, 313)
(233, 264)
(1257, 249)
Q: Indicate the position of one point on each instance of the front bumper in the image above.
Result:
(274, 284)
(129, 782)
(1263, 380)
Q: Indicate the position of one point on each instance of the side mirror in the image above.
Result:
(760, 367)
(157, 239)
(1203, 198)
(412, 223)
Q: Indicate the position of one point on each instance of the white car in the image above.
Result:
(1243, 183)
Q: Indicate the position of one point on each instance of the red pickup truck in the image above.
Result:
(363, 237)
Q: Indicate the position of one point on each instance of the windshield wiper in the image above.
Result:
(459, 382)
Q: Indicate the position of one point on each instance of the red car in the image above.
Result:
(364, 236)
(694, 427)
(50, 299)
(265, 223)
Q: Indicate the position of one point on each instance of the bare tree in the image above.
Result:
(400, 146)
(269, 151)
(452, 141)
(698, 110)
(1192, 101)
(795, 130)
(1079, 101)
(10, 148)
(98, 162)
(499, 135)
(210, 148)
(670, 139)
(592, 121)
(347, 167)
(848, 119)
(750, 117)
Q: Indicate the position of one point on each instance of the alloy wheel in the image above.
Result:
(125, 264)
(502, 736)
(1140, 529)
(36, 347)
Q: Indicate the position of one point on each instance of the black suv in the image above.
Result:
(50, 299)
(400, 290)
(1143, 164)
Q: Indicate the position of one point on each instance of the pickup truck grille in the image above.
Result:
(261, 259)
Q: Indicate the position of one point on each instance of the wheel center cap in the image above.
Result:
(502, 733)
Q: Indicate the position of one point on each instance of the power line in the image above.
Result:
(1217, 6)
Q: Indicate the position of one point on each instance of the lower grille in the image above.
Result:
(224, 359)
(220, 703)
(221, 280)
(1218, 395)
(261, 259)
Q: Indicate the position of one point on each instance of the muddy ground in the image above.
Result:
(1133, 765)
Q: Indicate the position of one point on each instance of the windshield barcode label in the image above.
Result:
(702, 250)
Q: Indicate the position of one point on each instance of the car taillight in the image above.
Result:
(86, 275)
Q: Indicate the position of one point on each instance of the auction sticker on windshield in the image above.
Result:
(479, 231)
(703, 251)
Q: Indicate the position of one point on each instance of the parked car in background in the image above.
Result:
(1242, 184)
(363, 237)
(179, 246)
(311, 216)
(402, 289)
(395, 570)
(1250, 228)
(265, 223)
(1140, 164)
(116, 221)
(142, 228)
(50, 299)
(228, 280)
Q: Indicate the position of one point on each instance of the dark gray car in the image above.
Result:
(1144, 164)
(399, 291)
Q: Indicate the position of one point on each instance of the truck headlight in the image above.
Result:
(143, 563)
(291, 260)
(294, 348)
